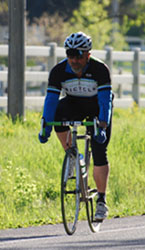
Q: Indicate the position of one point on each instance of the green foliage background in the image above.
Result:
(91, 18)
(95, 17)
(30, 172)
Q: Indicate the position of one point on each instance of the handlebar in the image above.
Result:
(70, 123)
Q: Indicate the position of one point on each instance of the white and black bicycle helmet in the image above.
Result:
(79, 41)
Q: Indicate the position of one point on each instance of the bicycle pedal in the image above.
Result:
(72, 178)
(98, 221)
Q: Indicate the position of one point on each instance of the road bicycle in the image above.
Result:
(76, 189)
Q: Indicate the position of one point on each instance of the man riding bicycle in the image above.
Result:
(87, 86)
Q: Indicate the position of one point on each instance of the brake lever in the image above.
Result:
(42, 131)
(96, 124)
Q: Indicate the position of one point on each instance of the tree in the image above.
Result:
(4, 12)
(92, 18)
(95, 17)
(54, 27)
(132, 17)
(64, 8)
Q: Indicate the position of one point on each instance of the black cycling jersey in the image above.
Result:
(90, 95)
(95, 76)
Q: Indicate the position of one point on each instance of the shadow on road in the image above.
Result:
(28, 237)
(104, 244)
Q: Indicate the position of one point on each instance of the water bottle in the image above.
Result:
(82, 164)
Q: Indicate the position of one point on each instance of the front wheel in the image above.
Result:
(70, 193)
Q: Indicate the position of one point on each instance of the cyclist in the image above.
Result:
(87, 86)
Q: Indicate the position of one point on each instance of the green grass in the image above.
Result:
(127, 157)
(30, 171)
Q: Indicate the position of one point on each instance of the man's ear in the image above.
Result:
(89, 54)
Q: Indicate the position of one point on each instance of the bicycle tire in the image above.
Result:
(90, 210)
(91, 193)
(70, 196)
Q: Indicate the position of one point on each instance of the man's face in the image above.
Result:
(78, 62)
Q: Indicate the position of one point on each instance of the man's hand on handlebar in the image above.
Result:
(45, 132)
(42, 139)
(100, 136)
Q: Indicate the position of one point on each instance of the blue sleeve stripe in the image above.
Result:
(104, 87)
(53, 90)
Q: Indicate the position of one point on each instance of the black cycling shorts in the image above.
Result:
(79, 109)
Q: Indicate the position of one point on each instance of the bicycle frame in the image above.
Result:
(84, 177)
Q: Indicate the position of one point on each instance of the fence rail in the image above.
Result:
(135, 79)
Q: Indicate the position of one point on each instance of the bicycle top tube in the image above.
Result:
(70, 123)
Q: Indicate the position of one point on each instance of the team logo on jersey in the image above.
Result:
(80, 87)
(88, 75)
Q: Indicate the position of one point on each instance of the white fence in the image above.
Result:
(134, 79)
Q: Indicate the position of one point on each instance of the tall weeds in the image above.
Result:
(30, 172)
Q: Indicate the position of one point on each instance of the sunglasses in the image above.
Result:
(71, 53)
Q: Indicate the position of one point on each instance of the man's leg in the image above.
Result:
(65, 139)
(101, 174)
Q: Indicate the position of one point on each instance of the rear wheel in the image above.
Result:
(70, 195)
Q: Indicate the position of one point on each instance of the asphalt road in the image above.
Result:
(115, 234)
